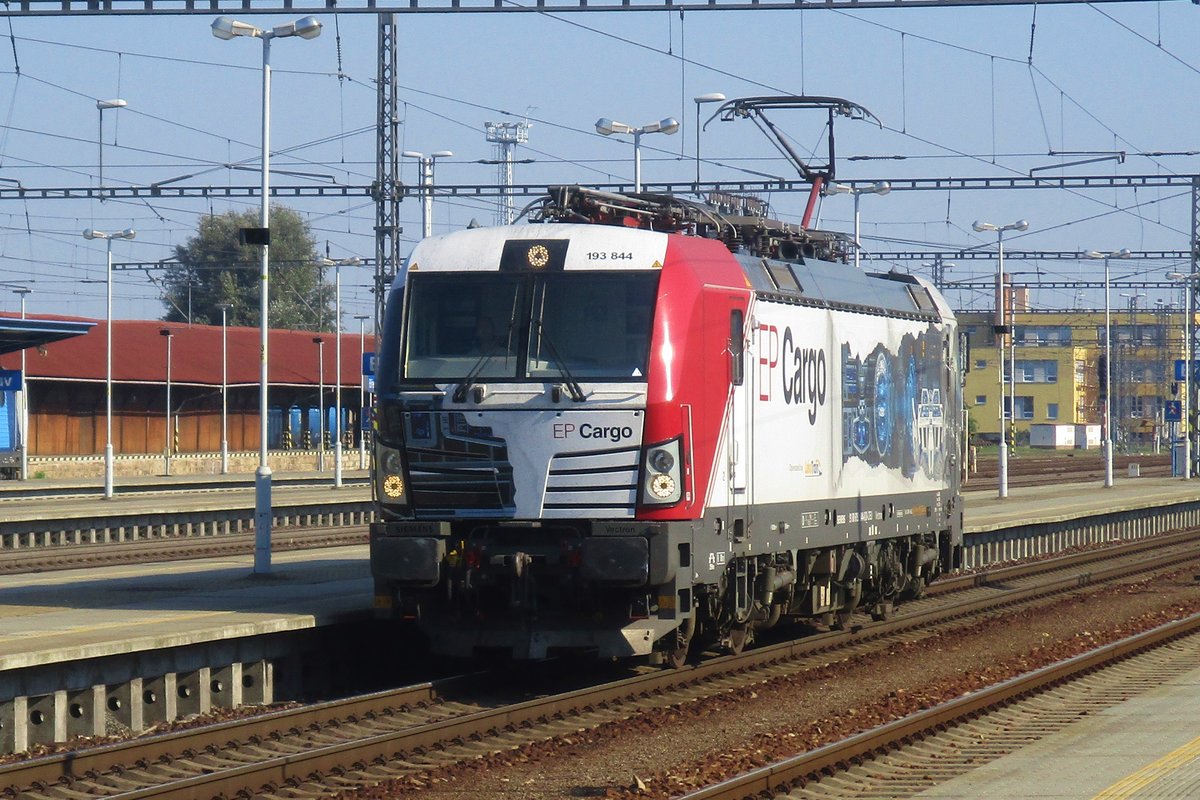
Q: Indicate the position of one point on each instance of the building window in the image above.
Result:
(1051, 410)
(981, 399)
(1024, 408)
(981, 363)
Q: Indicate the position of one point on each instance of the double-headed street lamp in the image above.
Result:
(1108, 365)
(879, 188)
(607, 127)
(1001, 327)
(128, 233)
(228, 28)
(426, 165)
(701, 99)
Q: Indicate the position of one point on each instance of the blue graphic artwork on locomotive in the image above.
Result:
(892, 409)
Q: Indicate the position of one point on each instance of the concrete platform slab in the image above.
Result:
(1145, 747)
(89, 613)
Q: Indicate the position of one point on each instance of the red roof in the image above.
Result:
(140, 354)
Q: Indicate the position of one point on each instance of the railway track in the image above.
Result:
(52, 558)
(1041, 471)
(39, 490)
(963, 734)
(412, 731)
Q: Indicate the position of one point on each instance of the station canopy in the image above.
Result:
(19, 334)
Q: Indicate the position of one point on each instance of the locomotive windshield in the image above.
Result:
(582, 325)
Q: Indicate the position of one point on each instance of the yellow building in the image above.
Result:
(1058, 375)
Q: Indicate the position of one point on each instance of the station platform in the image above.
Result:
(1145, 746)
(985, 511)
(90, 613)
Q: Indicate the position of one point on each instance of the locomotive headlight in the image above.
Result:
(661, 460)
(661, 475)
(662, 486)
(392, 487)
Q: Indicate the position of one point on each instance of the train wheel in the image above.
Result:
(841, 620)
(677, 657)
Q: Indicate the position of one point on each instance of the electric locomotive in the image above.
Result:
(638, 426)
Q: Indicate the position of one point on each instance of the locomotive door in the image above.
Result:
(726, 312)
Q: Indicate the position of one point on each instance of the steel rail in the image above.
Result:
(774, 779)
(277, 771)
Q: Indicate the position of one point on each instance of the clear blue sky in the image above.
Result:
(953, 87)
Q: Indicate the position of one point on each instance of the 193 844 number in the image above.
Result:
(597, 255)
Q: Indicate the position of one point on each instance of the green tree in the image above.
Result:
(214, 268)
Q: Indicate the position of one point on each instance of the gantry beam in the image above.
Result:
(60, 8)
(1079, 182)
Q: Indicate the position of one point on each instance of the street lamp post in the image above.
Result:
(224, 387)
(1108, 365)
(24, 292)
(102, 106)
(337, 265)
(167, 448)
(701, 99)
(128, 233)
(362, 393)
(228, 28)
(880, 188)
(426, 165)
(320, 343)
(1000, 329)
(607, 127)
(1189, 287)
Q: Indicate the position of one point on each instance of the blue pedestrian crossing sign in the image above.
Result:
(10, 380)
(1173, 411)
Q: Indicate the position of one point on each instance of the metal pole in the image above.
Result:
(262, 478)
(337, 371)
(320, 405)
(362, 395)
(637, 161)
(224, 391)
(697, 145)
(1108, 367)
(108, 445)
(24, 402)
(857, 243)
(427, 199)
(1002, 469)
(167, 449)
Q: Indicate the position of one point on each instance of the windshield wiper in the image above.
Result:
(460, 392)
(573, 387)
